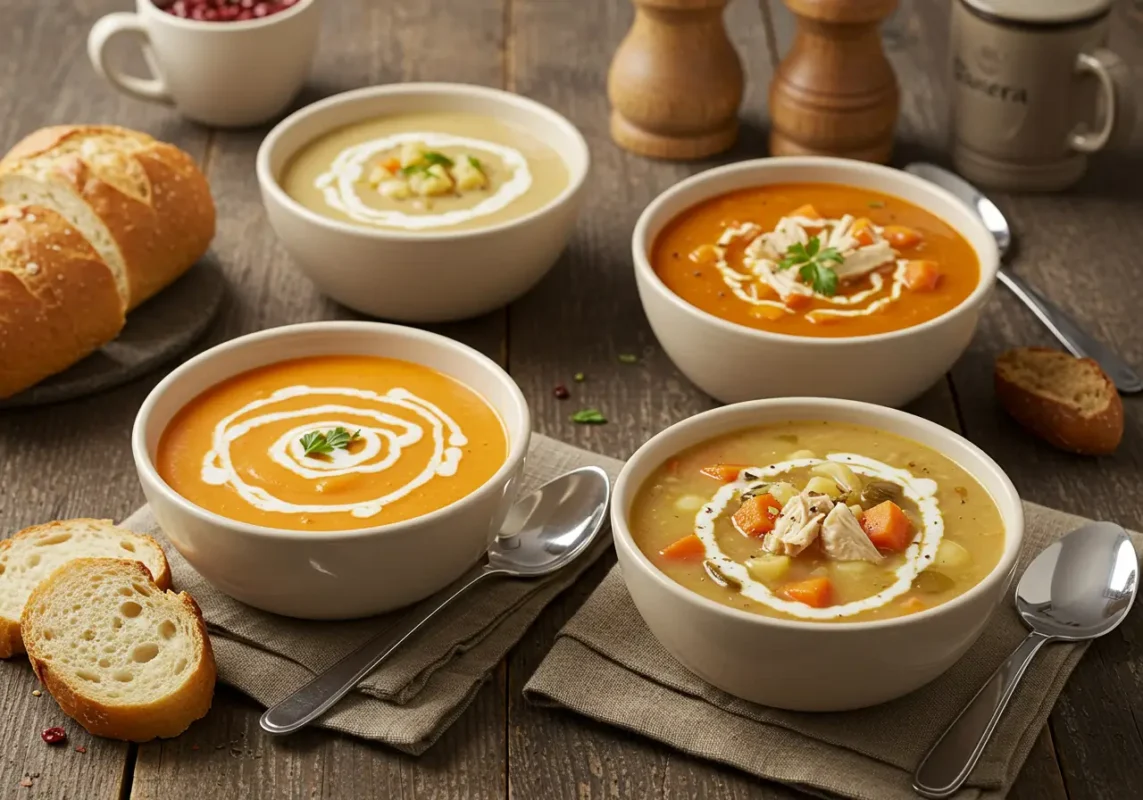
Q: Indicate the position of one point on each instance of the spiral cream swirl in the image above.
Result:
(382, 445)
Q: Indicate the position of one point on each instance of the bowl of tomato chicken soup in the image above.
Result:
(423, 202)
(765, 543)
(812, 276)
(335, 469)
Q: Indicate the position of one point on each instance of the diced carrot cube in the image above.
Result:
(755, 517)
(689, 548)
(393, 165)
(900, 236)
(815, 592)
(887, 526)
(723, 472)
(807, 211)
(673, 466)
(922, 276)
(862, 231)
(911, 605)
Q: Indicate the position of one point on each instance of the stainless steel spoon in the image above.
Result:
(1078, 342)
(543, 532)
(1079, 588)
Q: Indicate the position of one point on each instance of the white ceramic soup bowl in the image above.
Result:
(339, 574)
(732, 362)
(422, 276)
(809, 665)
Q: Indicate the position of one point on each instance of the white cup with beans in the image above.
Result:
(225, 63)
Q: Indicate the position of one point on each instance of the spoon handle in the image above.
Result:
(319, 695)
(947, 765)
(1071, 336)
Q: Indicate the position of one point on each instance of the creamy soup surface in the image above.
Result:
(426, 172)
(815, 259)
(815, 520)
(332, 443)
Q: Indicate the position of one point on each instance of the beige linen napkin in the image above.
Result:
(607, 665)
(411, 699)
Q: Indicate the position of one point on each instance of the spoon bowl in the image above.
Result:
(1078, 588)
(542, 533)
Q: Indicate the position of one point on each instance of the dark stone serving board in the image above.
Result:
(160, 329)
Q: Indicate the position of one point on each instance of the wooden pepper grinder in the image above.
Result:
(676, 82)
(835, 94)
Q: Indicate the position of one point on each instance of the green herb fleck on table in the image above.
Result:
(877, 204)
(628, 358)
(325, 442)
(579, 377)
(813, 264)
(588, 416)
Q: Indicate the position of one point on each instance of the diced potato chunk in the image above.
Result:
(468, 176)
(378, 174)
(395, 190)
(820, 485)
(782, 492)
(768, 568)
(951, 555)
(854, 569)
(857, 511)
(800, 454)
(431, 183)
(689, 502)
(412, 153)
(840, 474)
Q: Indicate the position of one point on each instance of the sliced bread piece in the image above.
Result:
(122, 657)
(34, 553)
(1065, 400)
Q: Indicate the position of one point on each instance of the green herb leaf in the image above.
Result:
(813, 264)
(473, 161)
(628, 358)
(588, 416)
(323, 442)
(414, 169)
(315, 442)
(579, 377)
(877, 204)
(433, 157)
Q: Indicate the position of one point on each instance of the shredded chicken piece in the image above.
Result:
(842, 538)
(798, 525)
(864, 260)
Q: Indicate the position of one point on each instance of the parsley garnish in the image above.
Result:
(628, 358)
(474, 162)
(413, 169)
(588, 416)
(323, 442)
(433, 157)
(813, 264)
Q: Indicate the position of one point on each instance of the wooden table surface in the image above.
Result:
(1082, 248)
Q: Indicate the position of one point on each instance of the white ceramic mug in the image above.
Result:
(227, 74)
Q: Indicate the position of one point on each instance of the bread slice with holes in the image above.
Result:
(123, 658)
(33, 554)
(1065, 400)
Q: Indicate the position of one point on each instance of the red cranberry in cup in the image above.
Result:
(224, 10)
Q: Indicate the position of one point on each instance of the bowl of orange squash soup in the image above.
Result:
(332, 470)
(768, 542)
(812, 276)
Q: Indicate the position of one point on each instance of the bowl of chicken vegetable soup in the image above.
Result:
(765, 543)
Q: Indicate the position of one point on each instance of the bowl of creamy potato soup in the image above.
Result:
(332, 470)
(766, 542)
(423, 202)
(830, 277)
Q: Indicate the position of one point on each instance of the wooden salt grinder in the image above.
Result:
(676, 82)
(835, 94)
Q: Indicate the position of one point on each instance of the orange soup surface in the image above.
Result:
(332, 443)
(812, 259)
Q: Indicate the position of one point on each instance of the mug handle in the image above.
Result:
(1118, 114)
(108, 28)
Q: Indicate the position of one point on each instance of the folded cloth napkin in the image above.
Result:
(411, 699)
(606, 665)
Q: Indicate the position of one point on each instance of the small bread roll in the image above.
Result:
(58, 299)
(1067, 401)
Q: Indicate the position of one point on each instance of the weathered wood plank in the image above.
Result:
(363, 43)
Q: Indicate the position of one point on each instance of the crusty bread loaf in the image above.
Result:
(31, 555)
(58, 300)
(122, 657)
(1067, 401)
(144, 205)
